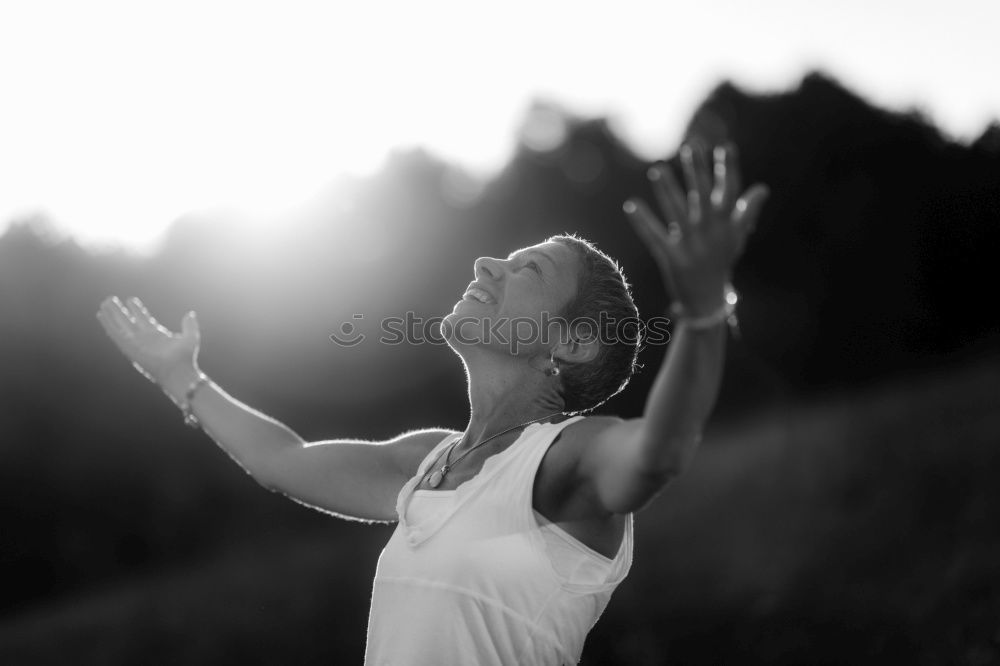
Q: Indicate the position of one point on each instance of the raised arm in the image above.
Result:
(628, 462)
(352, 479)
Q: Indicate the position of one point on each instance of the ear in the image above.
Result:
(581, 348)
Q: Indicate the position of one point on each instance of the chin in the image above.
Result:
(465, 326)
(449, 325)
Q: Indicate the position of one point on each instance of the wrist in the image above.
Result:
(705, 299)
(186, 407)
(176, 382)
(181, 387)
(707, 317)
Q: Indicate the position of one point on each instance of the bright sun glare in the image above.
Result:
(121, 116)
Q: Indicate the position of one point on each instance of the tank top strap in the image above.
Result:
(542, 439)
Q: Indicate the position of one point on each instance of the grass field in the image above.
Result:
(863, 529)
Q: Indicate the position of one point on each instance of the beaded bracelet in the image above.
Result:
(725, 313)
(189, 418)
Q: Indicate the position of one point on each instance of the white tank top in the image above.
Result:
(470, 576)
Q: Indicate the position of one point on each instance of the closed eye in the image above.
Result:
(530, 263)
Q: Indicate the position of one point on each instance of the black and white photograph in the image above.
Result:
(499, 334)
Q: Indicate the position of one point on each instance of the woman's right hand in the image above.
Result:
(162, 356)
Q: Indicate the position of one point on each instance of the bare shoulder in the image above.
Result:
(563, 494)
(562, 461)
(590, 426)
(586, 446)
(587, 431)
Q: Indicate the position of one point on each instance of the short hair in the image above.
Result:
(601, 290)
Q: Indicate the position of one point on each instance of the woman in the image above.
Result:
(513, 534)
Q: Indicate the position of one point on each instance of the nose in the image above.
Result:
(488, 266)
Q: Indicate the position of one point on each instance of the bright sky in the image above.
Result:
(118, 116)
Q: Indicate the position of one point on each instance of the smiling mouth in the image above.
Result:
(477, 294)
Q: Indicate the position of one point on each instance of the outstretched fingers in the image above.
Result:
(747, 210)
(748, 206)
(116, 323)
(145, 318)
(119, 307)
(120, 315)
(728, 181)
(657, 237)
(108, 324)
(142, 320)
(660, 241)
(698, 174)
(669, 195)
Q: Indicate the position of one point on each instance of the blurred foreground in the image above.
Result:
(861, 530)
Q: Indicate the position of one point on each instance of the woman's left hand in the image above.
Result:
(706, 228)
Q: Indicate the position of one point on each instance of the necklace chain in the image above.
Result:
(438, 475)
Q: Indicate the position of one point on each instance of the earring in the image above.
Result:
(554, 370)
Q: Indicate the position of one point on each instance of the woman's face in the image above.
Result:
(513, 301)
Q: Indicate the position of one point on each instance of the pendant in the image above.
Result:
(436, 478)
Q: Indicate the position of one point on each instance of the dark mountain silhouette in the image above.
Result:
(876, 242)
(872, 265)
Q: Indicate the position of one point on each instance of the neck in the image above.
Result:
(505, 391)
